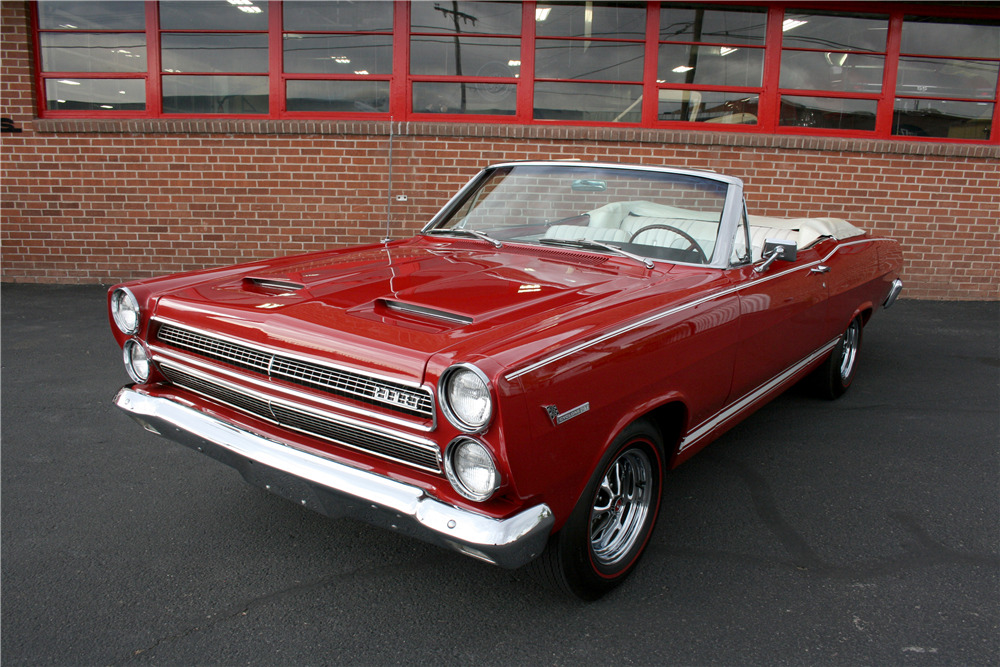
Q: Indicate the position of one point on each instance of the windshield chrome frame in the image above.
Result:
(732, 207)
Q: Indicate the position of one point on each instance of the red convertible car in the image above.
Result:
(514, 381)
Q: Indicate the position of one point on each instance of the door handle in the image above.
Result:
(822, 268)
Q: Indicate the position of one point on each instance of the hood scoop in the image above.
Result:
(262, 284)
(424, 312)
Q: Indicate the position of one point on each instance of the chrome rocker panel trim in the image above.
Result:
(337, 490)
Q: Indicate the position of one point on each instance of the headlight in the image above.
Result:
(125, 310)
(471, 470)
(136, 360)
(465, 398)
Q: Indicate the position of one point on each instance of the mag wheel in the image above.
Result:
(603, 539)
(836, 374)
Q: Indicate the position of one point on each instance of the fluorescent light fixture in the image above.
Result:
(121, 92)
(726, 50)
(542, 13)
(343, 60)
(68, 26)
(680, 69)
(240, 2)
(69, 82)
(513, 63)
(107, 106)
(361, 72)
(789, 24)
(252, 9)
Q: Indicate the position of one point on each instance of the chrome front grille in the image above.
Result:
(393, 396)
(420, 455)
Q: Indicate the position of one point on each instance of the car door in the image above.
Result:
(783, 321)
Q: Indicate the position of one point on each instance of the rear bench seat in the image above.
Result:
(804, 231)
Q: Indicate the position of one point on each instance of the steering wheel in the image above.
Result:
(680, 232)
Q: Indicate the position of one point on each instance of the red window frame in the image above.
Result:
(401, 81)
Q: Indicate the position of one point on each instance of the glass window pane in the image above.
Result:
(598, 102)
(482, 18)
(215, 94)
(836, 32)
(213, 15)
(827, 112)
(937, 36)
(93, 52)
(459, 98)
(621, 20)
(942, 118)
(815, 70)
(699, 24)
(337, 16)
(92, 15)
(573, 59)
(708, 106)
(214, 52)
(711, 65)
(338, 96)
(947, 78)
(95, 94)
(338, 54)
(465, 56)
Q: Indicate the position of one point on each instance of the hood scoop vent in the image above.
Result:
(272, 284)
(425, 312)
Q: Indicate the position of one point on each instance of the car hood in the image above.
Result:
(390, 308)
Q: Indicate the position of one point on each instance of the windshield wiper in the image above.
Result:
(455, 231)
(597, 245)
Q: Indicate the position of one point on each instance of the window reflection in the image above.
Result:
(942, 118)
(827, 112)
(680, 23)
(96, 94)
(598, 102)
(214, 52)
(215, 94)
(92, 15)
(572, 59)
(213, 15)
(951, 37)
(815, 70)
(732, 108)
(465, 56)
(491, 98)
(331, 16)
(711, 65)
(338, 54)
(835, 31)
(338, 96)
(93, 52)
(468, 18)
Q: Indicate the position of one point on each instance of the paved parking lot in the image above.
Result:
(861, 531)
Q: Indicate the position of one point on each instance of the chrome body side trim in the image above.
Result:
(734, 409)
(335, 489)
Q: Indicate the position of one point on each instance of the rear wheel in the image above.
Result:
(607, 532)
(836, 374)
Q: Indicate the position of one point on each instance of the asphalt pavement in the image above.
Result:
(859, 531)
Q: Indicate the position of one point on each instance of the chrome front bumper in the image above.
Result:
(335, 489)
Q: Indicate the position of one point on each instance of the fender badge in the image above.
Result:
(558, 419)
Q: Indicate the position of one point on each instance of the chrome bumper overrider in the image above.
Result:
(897, 287)
(335, 489)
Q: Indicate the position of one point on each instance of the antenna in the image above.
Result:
(388, 208)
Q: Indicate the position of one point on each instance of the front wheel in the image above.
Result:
(602, 541)
(836, 374)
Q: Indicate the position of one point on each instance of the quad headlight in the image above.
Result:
(125, 310)
(466, 398)
(471, 470)
(136, 360)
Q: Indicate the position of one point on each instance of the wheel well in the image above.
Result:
(866, 315)
(669, 419)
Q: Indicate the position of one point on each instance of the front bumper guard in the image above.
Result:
(337, 490)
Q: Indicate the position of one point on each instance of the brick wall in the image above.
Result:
(105, 201)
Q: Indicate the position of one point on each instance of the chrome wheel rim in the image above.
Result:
(849, 350)
(621, 507)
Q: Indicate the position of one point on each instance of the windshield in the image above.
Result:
(656, 215)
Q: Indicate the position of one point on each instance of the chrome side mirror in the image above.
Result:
(775, 249)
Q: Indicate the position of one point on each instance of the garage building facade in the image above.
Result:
(142, 138)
